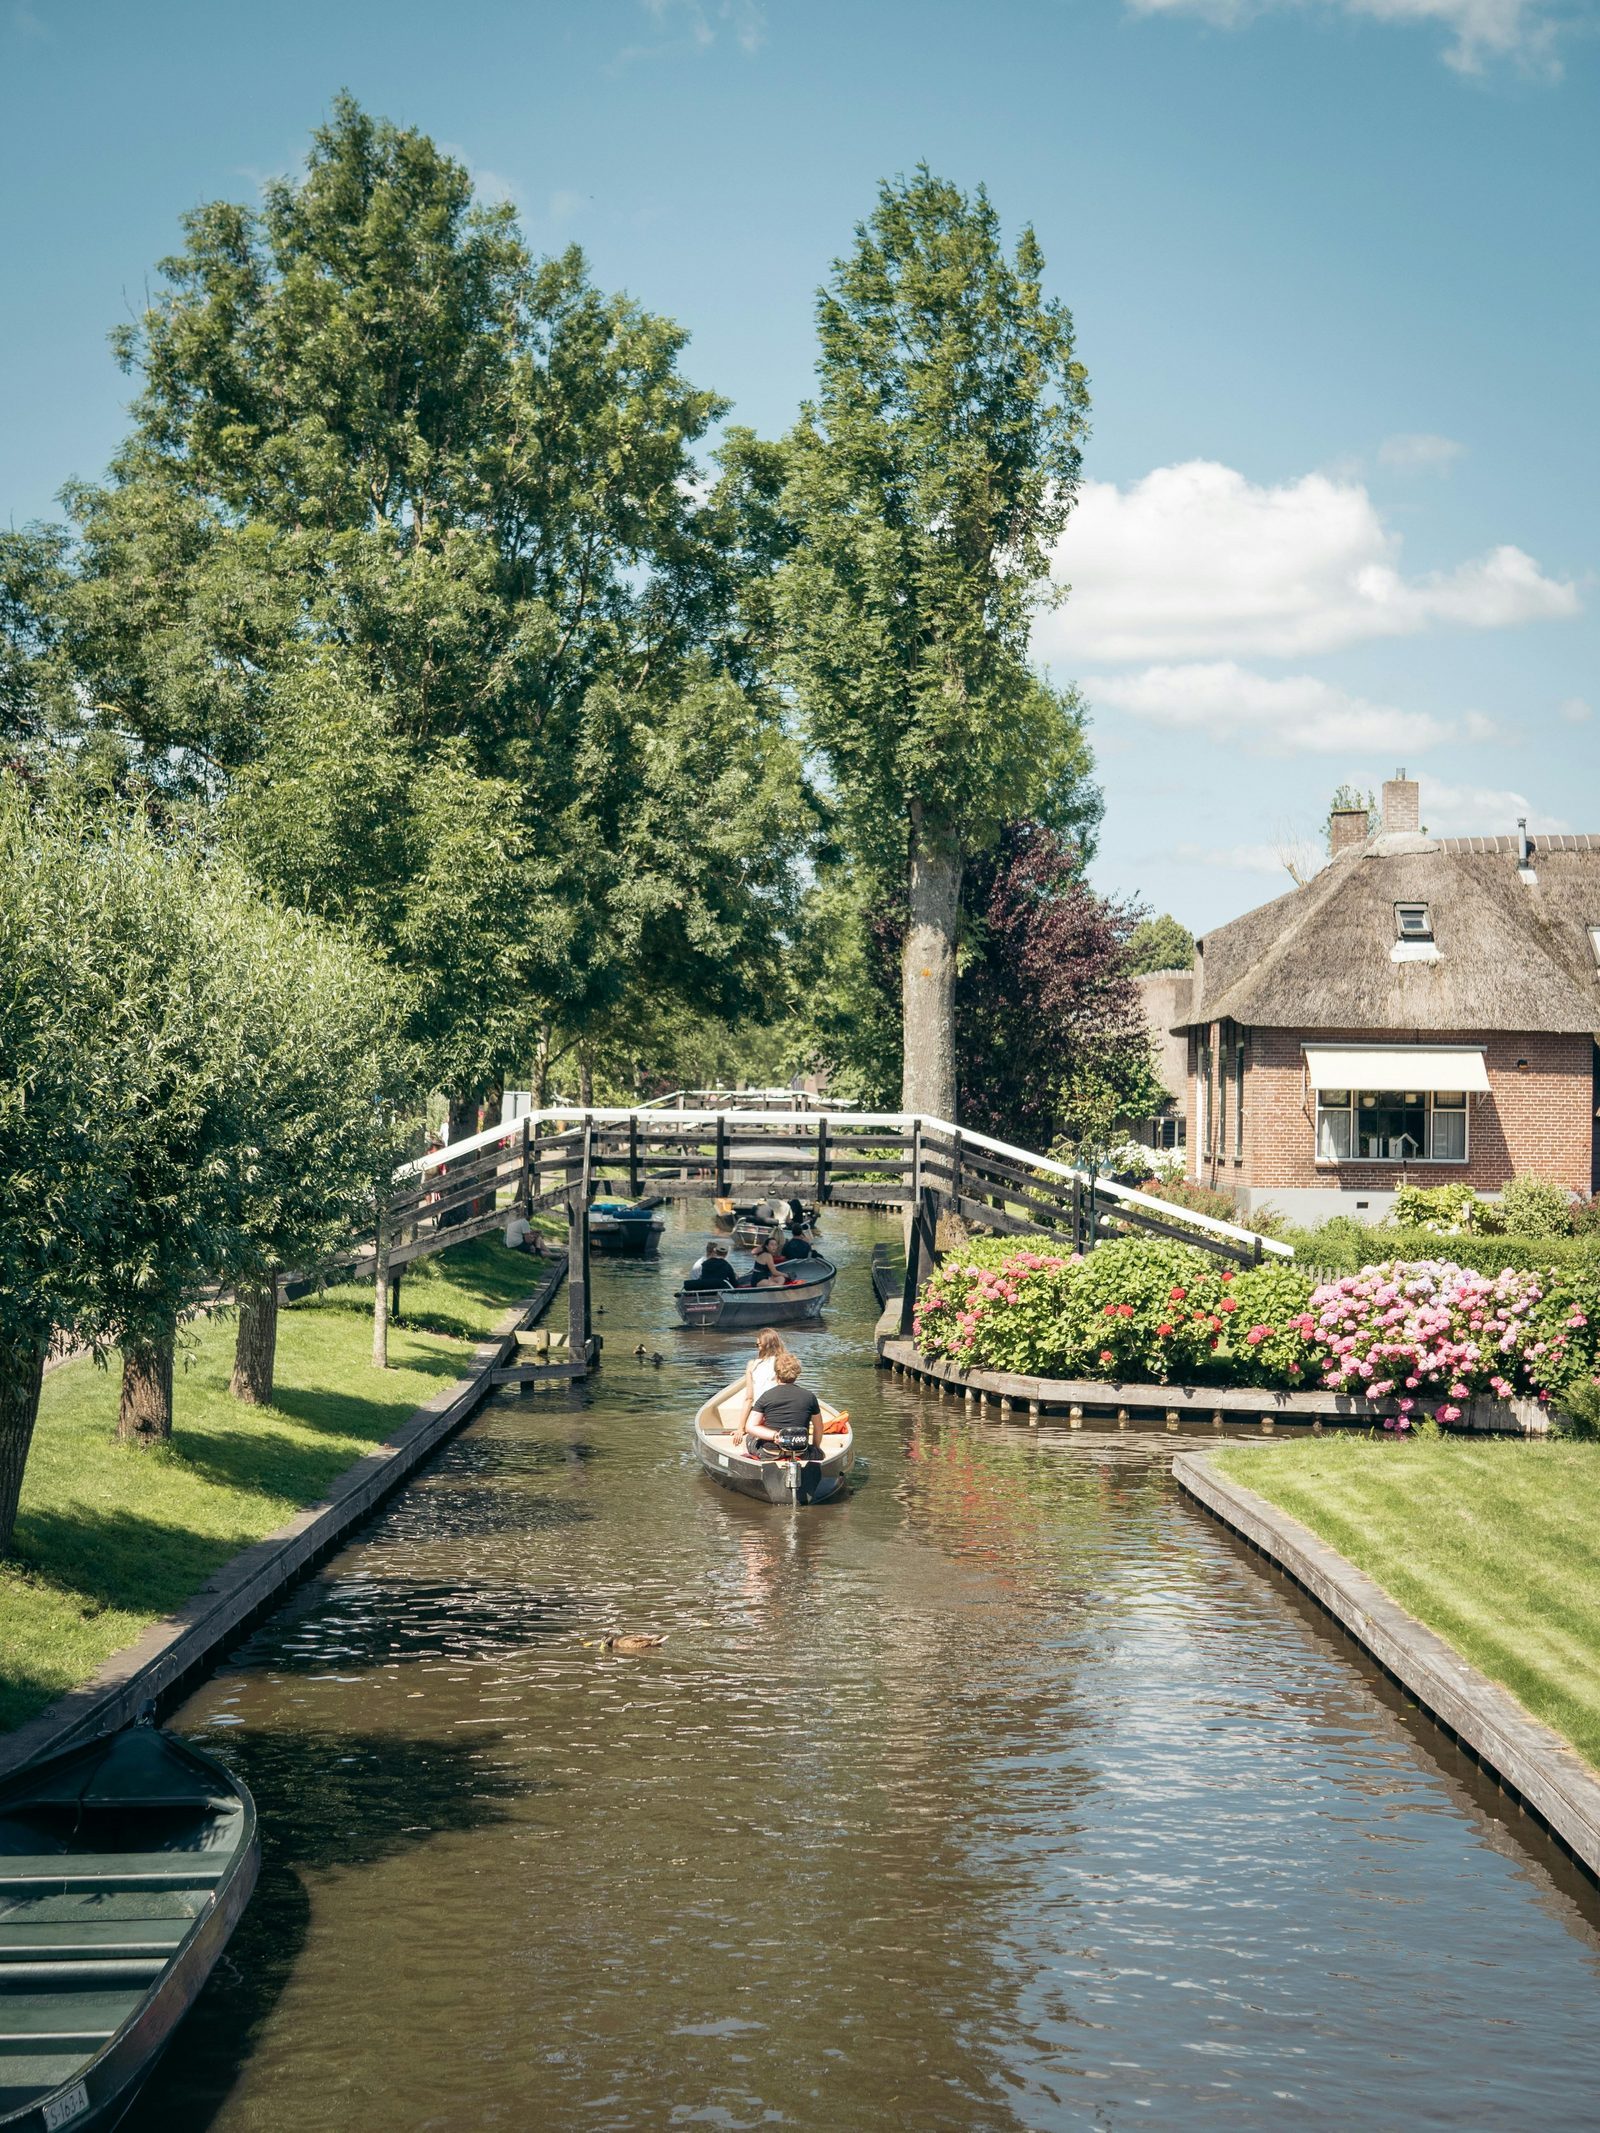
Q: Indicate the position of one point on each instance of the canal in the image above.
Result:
(1006, 1794)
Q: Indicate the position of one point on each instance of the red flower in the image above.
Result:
(1176, 1295)
(1125, 1310)
(1110, 1311)
(1227, 1304)
(1216, 1327)
(1199, 1317)
(1230, 1276)
(1164, 1332)
(1105, 1355)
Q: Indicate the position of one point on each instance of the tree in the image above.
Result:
(324, 1106)
(1045, 1007)
(385, 463)
(58, 1176)
(927, 483)
(1159, 944)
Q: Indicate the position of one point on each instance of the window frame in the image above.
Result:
(1422, 931)
(1352, 1107)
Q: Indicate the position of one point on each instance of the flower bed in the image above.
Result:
(1424, 1337)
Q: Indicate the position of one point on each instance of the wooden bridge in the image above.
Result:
(924, 1166)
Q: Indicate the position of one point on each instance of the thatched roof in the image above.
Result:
(1510, 954)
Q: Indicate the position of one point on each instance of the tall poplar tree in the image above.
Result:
(927, 483)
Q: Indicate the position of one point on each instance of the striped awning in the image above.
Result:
(1396, 1066)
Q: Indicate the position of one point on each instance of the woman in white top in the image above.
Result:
(760, 1375)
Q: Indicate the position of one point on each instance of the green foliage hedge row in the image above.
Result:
(1345, 1246)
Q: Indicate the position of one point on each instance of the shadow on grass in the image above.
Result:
(120, 1559)
(326, 1800)
(353, 1414)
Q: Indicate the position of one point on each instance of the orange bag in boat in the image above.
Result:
(838, 1426)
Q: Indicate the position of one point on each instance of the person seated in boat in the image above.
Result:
(787, 1417)
(711, 1270)
(760, 1375)
(799, 1244)
(766, 1271)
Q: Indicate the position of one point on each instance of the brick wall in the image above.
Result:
(1538, 1119)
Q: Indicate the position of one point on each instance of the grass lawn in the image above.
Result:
(109, 1538)
(1496, 1545)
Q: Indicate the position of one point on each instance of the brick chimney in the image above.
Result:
(1347, 827)
(1402, 803)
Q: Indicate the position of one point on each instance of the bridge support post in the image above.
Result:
(922, 1243)
(579, 1320)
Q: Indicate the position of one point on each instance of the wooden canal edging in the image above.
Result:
(171, 1654)
(1544, 1772)
(1076, 1398)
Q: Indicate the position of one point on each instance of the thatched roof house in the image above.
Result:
(1425, 1007)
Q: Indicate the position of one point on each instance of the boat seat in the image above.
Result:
(63, 2019)
(68, 1940)
(25, 2077)
(21, 1874)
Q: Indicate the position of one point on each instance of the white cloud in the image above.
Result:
(1294, 714)
(1480, 30)
(1196, 561)
(1480, 811)
(1250, 858)
(697, 22)
(1420, 452)
(1575, 711)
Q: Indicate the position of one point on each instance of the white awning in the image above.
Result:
(1396, 1066)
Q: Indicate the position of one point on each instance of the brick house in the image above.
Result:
(1425, 1009)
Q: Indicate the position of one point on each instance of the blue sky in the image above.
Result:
(1333, 265)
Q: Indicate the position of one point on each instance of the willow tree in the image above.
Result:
(927, 483)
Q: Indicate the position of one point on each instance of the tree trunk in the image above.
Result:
(380, 1299)
(585, 1083)
(145, 1415)
(21, 1372)
(928, 976)
(255, 1348)
(462, 1120)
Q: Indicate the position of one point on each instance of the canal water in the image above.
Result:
(1005, 1794)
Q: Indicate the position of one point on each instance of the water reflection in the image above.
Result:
(1003, 1794)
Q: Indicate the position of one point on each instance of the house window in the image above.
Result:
(1391, 1126)
(1413, 922)
(1238, 1101)
(1594, 943)
(1333, 1125)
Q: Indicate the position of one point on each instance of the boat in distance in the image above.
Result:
(124, 1868)
(801, 1297)
(772, 1480)
(624, 1228)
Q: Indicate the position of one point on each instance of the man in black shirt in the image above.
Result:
(713, 1271)
(789, 1415)
(798, 1245)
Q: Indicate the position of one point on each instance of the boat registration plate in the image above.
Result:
(63, 2109)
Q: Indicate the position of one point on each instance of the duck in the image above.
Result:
(658, 1359)
(641, 1351)
(631, 1643)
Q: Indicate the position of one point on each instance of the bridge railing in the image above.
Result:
(883, 1159)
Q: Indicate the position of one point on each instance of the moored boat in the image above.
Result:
(124, 1868)
(781, 1480)
(624, 1228)
(801, 1297)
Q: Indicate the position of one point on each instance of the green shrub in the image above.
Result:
(1535, 1207)
(1261, 1346)
(1445, 1209)
(1344, 1246)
